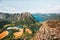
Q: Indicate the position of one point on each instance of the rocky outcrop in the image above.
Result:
(50, 30)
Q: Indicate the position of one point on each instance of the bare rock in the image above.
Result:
(50, 30)
(25, 14)
(27, 17)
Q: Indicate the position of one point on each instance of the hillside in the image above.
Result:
(50, 30)
(21, 27)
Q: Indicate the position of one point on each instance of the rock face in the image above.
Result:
(27, 17)
(50, 30)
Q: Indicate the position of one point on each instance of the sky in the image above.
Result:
(33, 6)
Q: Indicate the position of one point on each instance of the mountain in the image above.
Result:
(30, 23)
(50, 30)
(8, 16)
(23, 21)
(27, 18)
(36, 16)
(43, 17)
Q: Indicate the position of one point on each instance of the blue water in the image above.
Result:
(43, 17)
(39, 18)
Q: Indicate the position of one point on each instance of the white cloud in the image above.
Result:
(8, 9)
(55, 9)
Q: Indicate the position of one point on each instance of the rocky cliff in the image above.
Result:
(27, 18)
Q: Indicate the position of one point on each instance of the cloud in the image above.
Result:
(55, 9)
(8, 9)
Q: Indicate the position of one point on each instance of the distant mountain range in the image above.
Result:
(37, 16)
(44, 17)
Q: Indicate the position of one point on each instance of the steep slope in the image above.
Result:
(50, 30)
(27, 18)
